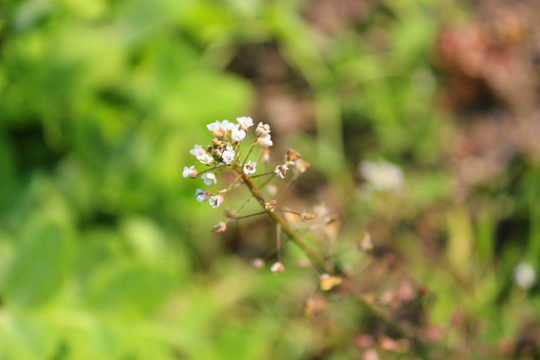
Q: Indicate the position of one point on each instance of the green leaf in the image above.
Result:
(38, 271)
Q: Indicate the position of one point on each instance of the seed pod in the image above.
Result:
(304, 216)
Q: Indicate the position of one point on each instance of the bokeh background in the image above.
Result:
(105, 254)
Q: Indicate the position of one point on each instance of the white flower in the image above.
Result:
(244, 123)
(202, 195)
(237, 135)
(220, 129)
(190, 172)
(382, 175)
(281, 171)
(216, 200)
(265, 141)
(209, 177)
(262, 129)
(206, 159)
(524, 275)
(277, 268)
(228, 156)
(250, 168)
(197, 151)
(257, 263)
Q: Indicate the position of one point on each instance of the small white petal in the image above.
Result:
(228, 156)
(250, 168)
(209, 177)
(206, 159)
(262, 129)
(277, 268)
(216, 200)
(237, 135)
(281, 171)
(202, 195)
(244, 123)
(186, 172)
(190, 172)
(197, 150)
(265, 141)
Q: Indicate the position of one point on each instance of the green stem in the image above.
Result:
(315, 258)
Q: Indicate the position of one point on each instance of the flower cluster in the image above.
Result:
(224, 152)
(230, 150)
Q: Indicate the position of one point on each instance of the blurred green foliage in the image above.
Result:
(104, 252)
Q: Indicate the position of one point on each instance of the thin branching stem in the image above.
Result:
(286, 187)
(289, 212)
(315, 258)
(263, 174)
(233, 183)
(249, 215)
(250, 147)
(319, 262)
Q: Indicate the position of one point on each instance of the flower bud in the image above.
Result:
(271, 205)
(304, 216)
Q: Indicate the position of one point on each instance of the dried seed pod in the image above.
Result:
(292, 156)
